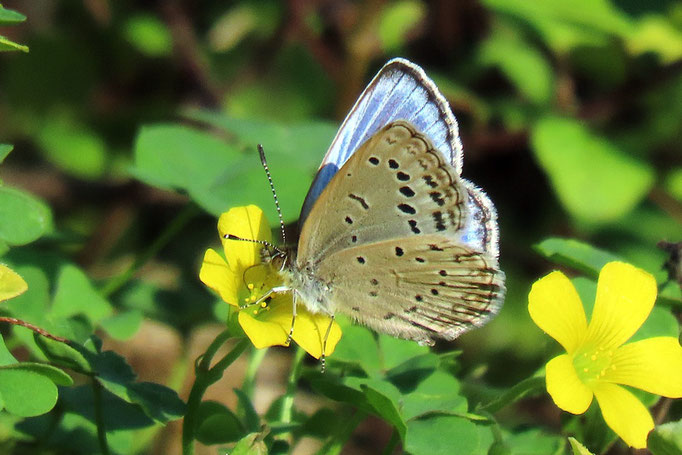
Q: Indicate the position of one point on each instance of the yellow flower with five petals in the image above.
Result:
(242, 279)
(598, 361)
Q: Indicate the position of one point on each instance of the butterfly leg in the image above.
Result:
(294, 298)
(270, 292)
(323, 357)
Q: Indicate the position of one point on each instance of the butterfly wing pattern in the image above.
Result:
(391, 235)
(390, 252)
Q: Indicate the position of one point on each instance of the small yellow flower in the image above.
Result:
(598, 360)
(242, 280)
(11, 284)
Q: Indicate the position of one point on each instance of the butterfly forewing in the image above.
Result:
(396, 185)
(400, 90)
(419, 287)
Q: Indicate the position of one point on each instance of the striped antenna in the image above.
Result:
(264, 162)
(265, 243)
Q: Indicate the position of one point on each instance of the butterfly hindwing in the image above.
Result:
(395, 185)
(420, 287)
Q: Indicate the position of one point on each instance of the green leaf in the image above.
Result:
(660, 323)
(437, 393)
(384, 400)
(11, 283)
(568, 25)
(116, 376)
(397, 21)
(395, 351)
(441, 435)
(575, 254)
(358, 347)
(159, 402)
(118, 415)
(673, 183)
(6, 357)
(62, 354)
(294, 153)
(76, 295)
(593, 179)
(217, 424)
(123, 325)
(524, 65)
(9, 17)
(577, 448)
(534, 442)
(149, 35)
(26, 393)
(5, 150)
(251, 444)
(657, 34)
(413, 370)
(8, 45)
(54, 374)
(666, 439)
(333, 388)
(23, 218)
(73, 147)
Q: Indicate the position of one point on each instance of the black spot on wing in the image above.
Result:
(360, 200)
(407, 208)
(406, 191)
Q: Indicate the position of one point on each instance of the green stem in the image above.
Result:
(99, 417)
(175, 226)
(256, 358)
(336, 442)
(288, 400)
(517, 392)
(205, 376)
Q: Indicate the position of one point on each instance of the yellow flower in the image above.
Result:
(11, 284)
(243, 279)
(598, 360)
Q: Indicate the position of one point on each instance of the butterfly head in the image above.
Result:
(278, 258)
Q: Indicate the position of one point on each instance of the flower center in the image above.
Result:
(591, 363)
(255, 291)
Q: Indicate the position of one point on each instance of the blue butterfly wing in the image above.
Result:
(402, 91)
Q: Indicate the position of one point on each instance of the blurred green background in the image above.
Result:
(129, 117)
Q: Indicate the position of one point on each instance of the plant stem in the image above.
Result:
(99, 417)
(294, 374)
(175, 226)
(257, 356)
(520, 390)
(205, 376)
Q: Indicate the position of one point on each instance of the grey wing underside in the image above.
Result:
(481, 232)
(419, 289)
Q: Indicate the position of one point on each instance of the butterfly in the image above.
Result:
(390, 234)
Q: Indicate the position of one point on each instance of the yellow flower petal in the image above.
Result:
(269, 327)
(310, 330)
(248, 223)
(654, 365)
(624, 413)
(217, 275)
(11, 283)
(564, 386)
(625, 296)
(555, 307)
